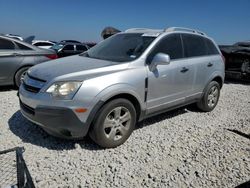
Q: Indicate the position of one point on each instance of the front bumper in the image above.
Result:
(58, 121)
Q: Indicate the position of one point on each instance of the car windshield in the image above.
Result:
(57, 46)
(121, 47)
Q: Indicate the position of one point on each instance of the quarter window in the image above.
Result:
(6, 45)
(22, 47)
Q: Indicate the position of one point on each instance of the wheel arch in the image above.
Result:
(219, 80)
(130, 98)
(19, 68)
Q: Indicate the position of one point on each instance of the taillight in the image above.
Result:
(52, 56)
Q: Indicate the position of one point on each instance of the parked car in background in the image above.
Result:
(16, 57)
(64, 49)
(14, 37)
(237, 60)
(70, 41)
(90, 44)
(109, 31)
(43, 43)
(124, 79)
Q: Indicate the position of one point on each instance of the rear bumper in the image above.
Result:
(58, 121)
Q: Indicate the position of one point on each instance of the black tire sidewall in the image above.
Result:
(19, 74)
(97, 130)
(204, 103)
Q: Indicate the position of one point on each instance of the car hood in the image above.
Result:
(78, 65)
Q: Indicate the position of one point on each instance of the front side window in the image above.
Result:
(194, 46)
(170, 45)
(69, 47)
(6, 45)
(121, 47)
(81, 48)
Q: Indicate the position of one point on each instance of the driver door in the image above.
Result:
(168, 85)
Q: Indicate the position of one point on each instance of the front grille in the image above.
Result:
(27, 108)
(31, 88)
(33, 84)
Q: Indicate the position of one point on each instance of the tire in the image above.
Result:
(114, 123)
(210, 98)
(19, 76)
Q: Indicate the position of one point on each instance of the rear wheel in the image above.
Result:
(20, 75)
(210, 98)
(114, 123)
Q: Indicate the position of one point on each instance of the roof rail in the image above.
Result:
(143, 30)
(184, 29)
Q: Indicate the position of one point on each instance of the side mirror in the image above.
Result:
(159, 59)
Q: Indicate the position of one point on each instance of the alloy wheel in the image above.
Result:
(117, 123)
(213, 96)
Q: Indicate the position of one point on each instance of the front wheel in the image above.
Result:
(114, 123)
(20, 75)
(210, 98)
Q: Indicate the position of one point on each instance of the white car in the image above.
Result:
(43, 43)
(14, 37)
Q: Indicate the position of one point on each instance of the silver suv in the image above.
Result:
(124, 79)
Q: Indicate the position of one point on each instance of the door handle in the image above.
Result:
(210, 64)
(184, 69)
(16, 54)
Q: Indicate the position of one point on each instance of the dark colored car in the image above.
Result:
(64, 49)
(90, 44)
(72, 41)
(16, 57)
(237, 59)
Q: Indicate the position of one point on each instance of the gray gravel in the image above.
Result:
(182, 148)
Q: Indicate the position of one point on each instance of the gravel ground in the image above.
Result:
(182, 148)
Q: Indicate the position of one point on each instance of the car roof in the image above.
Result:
(35, 41)
(157, 32)
(71, 43)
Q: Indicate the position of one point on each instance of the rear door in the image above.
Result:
(196, 51)
(169, 84)
(10, 59)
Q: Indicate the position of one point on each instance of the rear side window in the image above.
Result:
(81, 48)
(194, 46)
(43, 44)
(22, 47)
(6, 45)
(170, 45)
(69, 47)
(211, 49)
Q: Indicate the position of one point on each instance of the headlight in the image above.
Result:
(64, 90)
